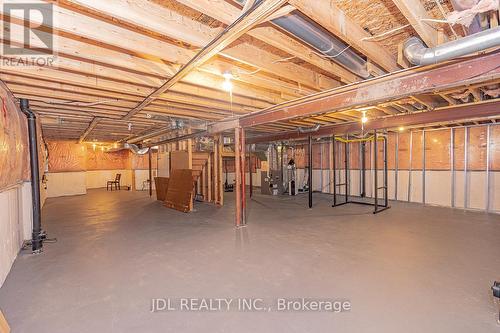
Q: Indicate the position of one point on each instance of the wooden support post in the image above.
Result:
(189, 148)
(250, 169)
(330, 164)
(243, 177)
(209, 177)
(219, 158)
(237, 155)
(216, 171)
(150, 173)
(204, 182)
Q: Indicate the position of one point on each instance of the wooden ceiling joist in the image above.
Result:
(414, 12)
(148, 47)
(230, 34)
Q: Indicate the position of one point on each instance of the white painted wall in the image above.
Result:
(99, 178)
(141, 176)
(15, 224)
(66, 183)
(438, 186)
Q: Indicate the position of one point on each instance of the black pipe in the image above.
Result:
(310, 172)
(37, 234)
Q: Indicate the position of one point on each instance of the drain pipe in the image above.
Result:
(37, 234)
(418, 54)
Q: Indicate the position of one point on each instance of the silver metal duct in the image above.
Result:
(309, 129)
(417, 53)
(133, 148)
(321, 40)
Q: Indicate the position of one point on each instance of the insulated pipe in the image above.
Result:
(418, 54)
(310, 172)
(37, 234)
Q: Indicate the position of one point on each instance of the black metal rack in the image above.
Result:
(348, 199)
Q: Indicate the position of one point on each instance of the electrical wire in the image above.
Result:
(385, 34)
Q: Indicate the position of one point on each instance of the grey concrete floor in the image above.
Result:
(409, 269)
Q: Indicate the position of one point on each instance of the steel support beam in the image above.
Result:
(401, 84)
(440, 115)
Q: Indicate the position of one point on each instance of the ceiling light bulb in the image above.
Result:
(227, 75)
(227, 85)
(401, 128)
(364, 119)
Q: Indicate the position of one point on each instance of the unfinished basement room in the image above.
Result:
(250, 166)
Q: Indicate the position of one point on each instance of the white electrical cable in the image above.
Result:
(385, 34)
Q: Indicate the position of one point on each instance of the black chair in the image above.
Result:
(116, 183)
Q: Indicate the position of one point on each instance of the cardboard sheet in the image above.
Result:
(161, 185)
(180, 190)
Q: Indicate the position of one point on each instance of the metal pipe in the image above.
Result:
(37, 233)
(410, 166)
(363, 169)
(320, 39)
(310, 172)
(418, 54)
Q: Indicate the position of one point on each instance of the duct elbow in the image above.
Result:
(415, 51)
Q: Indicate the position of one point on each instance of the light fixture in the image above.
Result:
(94, 146)
(364, 119)
(401, 128)
(227, 85)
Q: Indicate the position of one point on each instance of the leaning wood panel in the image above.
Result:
(180, 190)
(161, 185)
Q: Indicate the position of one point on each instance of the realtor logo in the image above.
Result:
(28, 34)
